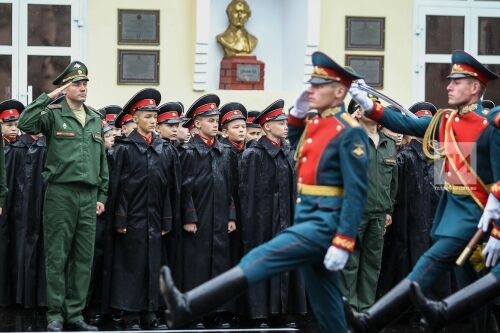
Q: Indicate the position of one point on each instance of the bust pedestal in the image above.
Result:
(241, 73)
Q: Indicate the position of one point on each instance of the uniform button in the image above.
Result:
(304, 159)
(339, 127)
(316, 121)
(457, 119)
(300, 179)
(299, 200)
(449, 173)
(485, 122)
(447, 116)
(309, 140)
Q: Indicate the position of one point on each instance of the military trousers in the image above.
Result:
(289, 251)
(69, 219)
(359, 278)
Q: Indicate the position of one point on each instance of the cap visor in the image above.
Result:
(459, 76)
(319, 80)
(80, 78)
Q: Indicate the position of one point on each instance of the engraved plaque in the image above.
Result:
(138, 26)
(371, 67)
(136, 67)
(248, 72)
(365, 33)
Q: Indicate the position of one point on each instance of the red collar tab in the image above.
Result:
(469, 70)
(168, 115)
(8, 138)
(239, 145)
(231, 114)
(142, 103)
(203, 108)
(209, 142)
(423, 113)
(9, 114)
(330, 74)
(126, 118)
(148, 139)
(110, 117)
(270, 116)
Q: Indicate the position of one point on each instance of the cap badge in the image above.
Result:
(77, 66)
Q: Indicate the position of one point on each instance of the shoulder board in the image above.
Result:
(494, 117)
(349, 119)
(54, 106)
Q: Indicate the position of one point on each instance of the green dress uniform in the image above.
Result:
(77, 174)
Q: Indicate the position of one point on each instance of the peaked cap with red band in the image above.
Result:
(123, 119)
(325, 70)
(207, 105)
(147, 99)
(110, 113)
(170, 113)
(465, 65)
(232, 111)
(188, 123)
(10, 110)
(423, 109)
(251, 115)
(273, 112)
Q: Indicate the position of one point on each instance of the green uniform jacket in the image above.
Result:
(75, 153)
(382, 176)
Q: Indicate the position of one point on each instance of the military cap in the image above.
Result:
(10, 110)
(106, 127)
(76, 71)
(188, 123)
(146, 99)
(123, 119)
(110, 113)
(207, 105)
(232, 111)
(251, 115)
(325, 70)
(464, 65)
(487, 104)
(273, 112)
(353, 106)
(423, 109)
(170, 113)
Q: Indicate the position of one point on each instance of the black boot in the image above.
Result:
(184, 307)
(438, 314)
(383, 312)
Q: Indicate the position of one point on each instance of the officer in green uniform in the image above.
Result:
(77, 174)
(361, 273)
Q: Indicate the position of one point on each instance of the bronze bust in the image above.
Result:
(236, 40)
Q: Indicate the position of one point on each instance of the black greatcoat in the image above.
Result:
(35, 292)
(143, 183)
(409, 235)
(267, 193)
(206, 200)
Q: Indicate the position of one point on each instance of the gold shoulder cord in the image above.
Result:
(430, 142)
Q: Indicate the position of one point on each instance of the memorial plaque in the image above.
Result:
(365, 33)
(138, 67)
(371, 67)
(248, 72)
(138, 27)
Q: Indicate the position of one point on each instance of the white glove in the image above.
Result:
(335, 258)
(361, 97)
(492, 251)
(301, 106)
(491, 212)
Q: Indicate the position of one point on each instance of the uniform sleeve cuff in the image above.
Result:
(102, 198)
(296, 122)
(344, 242)
(495, 232)
(190, 216)
(377, 112)
(495, 190)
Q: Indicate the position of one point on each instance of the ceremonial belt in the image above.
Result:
(460, 189)
(320, 190)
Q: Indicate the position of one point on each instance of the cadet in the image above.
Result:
(466, 186)
(9, 119)
(110, 113)
(363, 268)
(254, 131)
(125, 123)
(77, 174)
(332, 171)
(169, 120)
(267, 192)
(233, 126)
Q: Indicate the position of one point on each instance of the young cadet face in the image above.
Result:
(10, 129)
(128, 128)
(168, 131)
(117, 131)
(109, 139)
(183, 134)
(323, 96)
(207, 126)
(463, 91)
(278, 129)
(77, 91)
(146, 121)
(236, 130)
(254, 133)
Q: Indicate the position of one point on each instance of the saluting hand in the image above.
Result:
(191, 228)
(231, 226)
(58, 92)
(99, 208)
